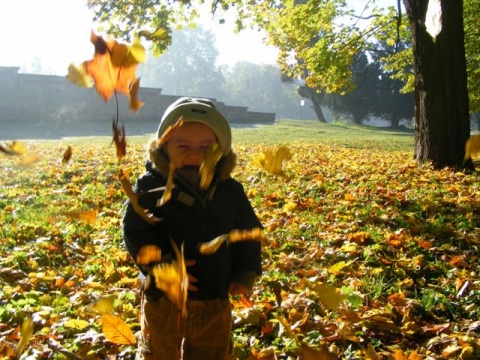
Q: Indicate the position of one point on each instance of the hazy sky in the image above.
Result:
(57, 32)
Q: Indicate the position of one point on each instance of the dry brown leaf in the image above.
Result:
(141, 211)
(119, 139)
(134, 103)
(67, 155)
(170, 132)
(117, 331)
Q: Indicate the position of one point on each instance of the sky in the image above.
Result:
(56, 33)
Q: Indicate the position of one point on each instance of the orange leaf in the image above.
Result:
(170, 132)
(127, 188)
(117, 331)
(111, 68)
(88, 216)
(397, 299)
(119, 140)
(135, 104)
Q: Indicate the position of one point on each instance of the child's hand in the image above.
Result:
(149, 254)
(237, 289)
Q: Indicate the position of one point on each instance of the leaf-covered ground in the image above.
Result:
(367, 257)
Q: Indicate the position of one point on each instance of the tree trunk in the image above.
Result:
(395, 122)
(442, 123)
(316, 99)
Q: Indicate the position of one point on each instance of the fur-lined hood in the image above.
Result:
(159, 160)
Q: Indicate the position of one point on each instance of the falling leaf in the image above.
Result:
(67, 155)
(170, 132)
(134, 103)
(26, 333)
(117, 331)
(18, 147)
(119, 140)
(472, 147)
(212, 246)
(212, 155)
(273, 162)
(77, 75)
(113, 66)
(255, 234)
(167, 194)
(173, 280)
(149, 254)
(127, 188)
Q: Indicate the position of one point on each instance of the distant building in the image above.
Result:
(46, 101)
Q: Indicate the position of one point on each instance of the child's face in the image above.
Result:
(187, 146)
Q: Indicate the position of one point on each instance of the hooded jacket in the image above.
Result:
(192, 217)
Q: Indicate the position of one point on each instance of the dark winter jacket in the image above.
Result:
(191, 217)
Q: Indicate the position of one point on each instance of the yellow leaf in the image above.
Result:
(173, 280)
(76, 324)
(167, 194)
(137, 51)
(29, 159)
(289, 206)
(472, 147)
(160, 33)
(26, 332)
(207, 169)
(18, 147)
(330, 296)
(78, 76)
(210, 247)
(336, 268)
(117, 331)
(103, 306)
(273, 161)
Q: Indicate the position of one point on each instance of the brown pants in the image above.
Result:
(203, 335)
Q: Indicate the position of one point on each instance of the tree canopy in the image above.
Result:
(319, 39)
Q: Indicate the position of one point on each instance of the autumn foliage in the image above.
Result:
(365, 255)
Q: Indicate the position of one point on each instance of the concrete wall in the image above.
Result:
(27, 99)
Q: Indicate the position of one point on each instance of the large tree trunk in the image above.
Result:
(442, 123)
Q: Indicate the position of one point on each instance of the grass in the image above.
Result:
(366, 252)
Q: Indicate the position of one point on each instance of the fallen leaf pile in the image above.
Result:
(365, 255)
